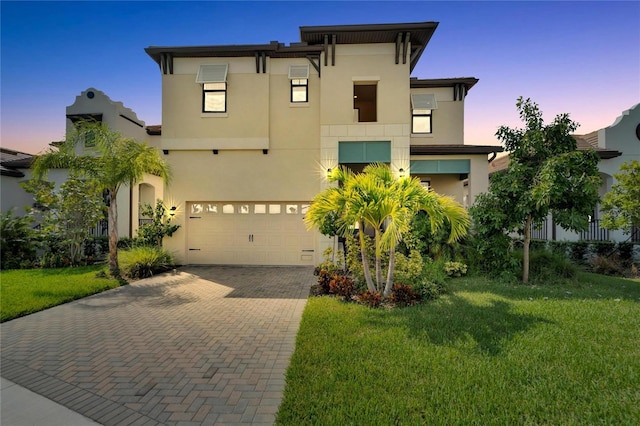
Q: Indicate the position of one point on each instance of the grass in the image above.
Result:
(487, 354)
(26, 291)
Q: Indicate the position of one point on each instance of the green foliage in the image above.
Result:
(431, 243)
(152, 233)
(144, 261)
(17, 241)
(375, 201)
(67, 216)
(455, 269)
(330, 262)
(111, 161)
(546, 175)
(409, 269)
(607, 265)
(579, 250)
(621, 205)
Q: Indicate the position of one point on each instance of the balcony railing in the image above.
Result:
(539, 232)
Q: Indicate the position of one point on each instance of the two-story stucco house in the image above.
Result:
(250, 132)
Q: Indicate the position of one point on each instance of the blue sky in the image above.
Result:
(577, 57)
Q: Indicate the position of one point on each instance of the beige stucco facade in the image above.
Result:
(254, 167)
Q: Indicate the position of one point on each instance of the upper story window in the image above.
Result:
(299, 76)
(365, 103)
(422, 106)
(213, 78)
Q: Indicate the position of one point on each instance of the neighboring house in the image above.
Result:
(615, 145)
(251, 131)
(91, 105)
(14, 167)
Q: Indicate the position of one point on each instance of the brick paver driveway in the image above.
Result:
(208, 345)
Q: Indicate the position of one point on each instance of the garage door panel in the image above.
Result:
(249, 233)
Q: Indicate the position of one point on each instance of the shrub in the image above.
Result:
(579, 250)
(603, 248)
(546, 266)
(408, 269)
(17, 243)
(404, 295)
(372, 300)
(430, 290)
(607, 265)
(143, 262)
(342, 286)
(455, 269)
(625, 251)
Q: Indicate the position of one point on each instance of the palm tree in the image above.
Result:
(375, 199)
(110, 159)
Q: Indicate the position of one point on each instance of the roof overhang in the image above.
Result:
(454, 149)
(419, 35)
(429, 83)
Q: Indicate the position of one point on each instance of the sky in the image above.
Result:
(581, 58)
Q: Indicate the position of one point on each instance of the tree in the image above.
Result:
(152, 233)
(621, 205)
(109, 158)
(374, 200)
(68, 214)
(17, 243)
(546, 174)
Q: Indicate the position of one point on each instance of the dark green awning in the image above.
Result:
(364, 152)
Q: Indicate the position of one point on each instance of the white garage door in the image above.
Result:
(249, 234)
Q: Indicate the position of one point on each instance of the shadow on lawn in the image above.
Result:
(586, 286)
(455, 321)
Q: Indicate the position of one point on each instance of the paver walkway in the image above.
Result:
(208, 345)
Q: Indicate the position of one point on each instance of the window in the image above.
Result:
(213, 78)
(299, 76)
(365, 102)
(422, 106)
(421, 121)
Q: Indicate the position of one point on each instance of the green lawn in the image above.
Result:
(487, 354)
(26, 291)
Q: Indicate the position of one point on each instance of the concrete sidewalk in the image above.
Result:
(208, 345)
(21, 407)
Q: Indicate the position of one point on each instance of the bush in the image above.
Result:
(17, 242)
(324, 278)
(408, 270)
(430, 290)
(625, 251)
(455, 269)
(342, 286)
(579, 250)
(125, 243)
(372, 300)
(607, 265)
(603, 248)
(404, 295)
(143, 262)
(545, 266)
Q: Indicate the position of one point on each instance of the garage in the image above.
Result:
(249, 233)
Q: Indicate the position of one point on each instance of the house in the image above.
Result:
(251, 131)
(91, 105)
(616, 144)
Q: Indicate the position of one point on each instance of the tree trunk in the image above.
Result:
(525, 250)
(378, 261)
(114, 269)
(365, 260)
(392, 264)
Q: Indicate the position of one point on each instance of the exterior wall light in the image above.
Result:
(401, 172)
(172, 211)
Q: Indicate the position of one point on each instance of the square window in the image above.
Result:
(244, 209)
(292, 209)
(211, 208)
(228, 209)
(196, 208)
(260, 209)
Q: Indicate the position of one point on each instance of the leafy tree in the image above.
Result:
(621, 205)
(109, 158)
(17, 243)
(374, 200)
(152, 233)
(68, 214)
(546, 175)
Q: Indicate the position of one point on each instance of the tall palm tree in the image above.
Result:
(109, 158)
(376, 200)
